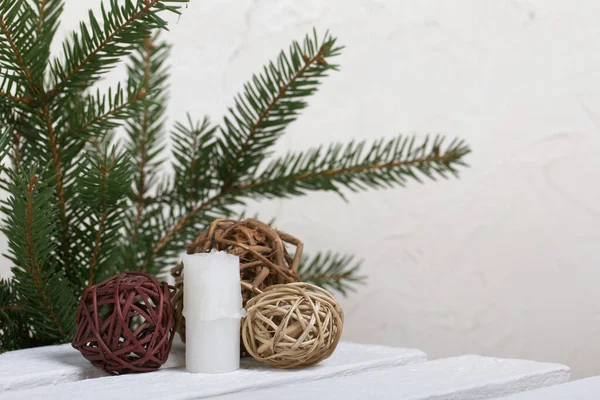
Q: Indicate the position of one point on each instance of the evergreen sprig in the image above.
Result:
(145, 143)
(104, 184)
(193, 148)
(18, 26)
(99, 45)
(96, 114)
(28, 224)
(354, 166)
(270, 102)
(84, 203)
(15, 331)
(339, 272)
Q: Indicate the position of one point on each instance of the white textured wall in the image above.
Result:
(503, 262)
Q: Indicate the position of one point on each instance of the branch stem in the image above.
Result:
(141, 183)
(25, 100)
(60, 189)
(354, 170)
(16, 52)
(41, 23)
(11, 308)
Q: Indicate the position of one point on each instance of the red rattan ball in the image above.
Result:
(125, 323)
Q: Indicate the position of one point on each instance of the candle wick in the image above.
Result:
(214, 243)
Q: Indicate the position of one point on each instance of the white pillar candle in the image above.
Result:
(212, 307)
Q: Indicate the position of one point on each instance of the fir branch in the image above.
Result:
(183, 222)
(385, 164)
(99, 46)
(261, 113)
(282, 91)
(145, 130)
(105, 183)
(145, 143)
(193, 150)
(331, 271)
(270, 102)
(49, 12)
(34, 263)
(25, 44)
(48, 16)
(16, 54)
(101, 113)
(29, 223)
(23, 59)
(14, 332)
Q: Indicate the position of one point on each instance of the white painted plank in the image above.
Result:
(464, 378)
(51, 365)
(582, 389)
(173, 383)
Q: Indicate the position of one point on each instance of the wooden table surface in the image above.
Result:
(354, 371)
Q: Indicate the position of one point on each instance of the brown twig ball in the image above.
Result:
(267, 257)
(292, 325)
(125, 324)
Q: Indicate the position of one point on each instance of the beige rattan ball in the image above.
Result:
(267, 257)
(292, 325)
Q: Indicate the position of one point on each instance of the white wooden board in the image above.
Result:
(460, 378)
(64, 373)
(583, 389)
(51, 365)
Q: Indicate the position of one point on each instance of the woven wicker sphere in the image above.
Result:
(267, 257)
(125, 324)
(292, 325)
